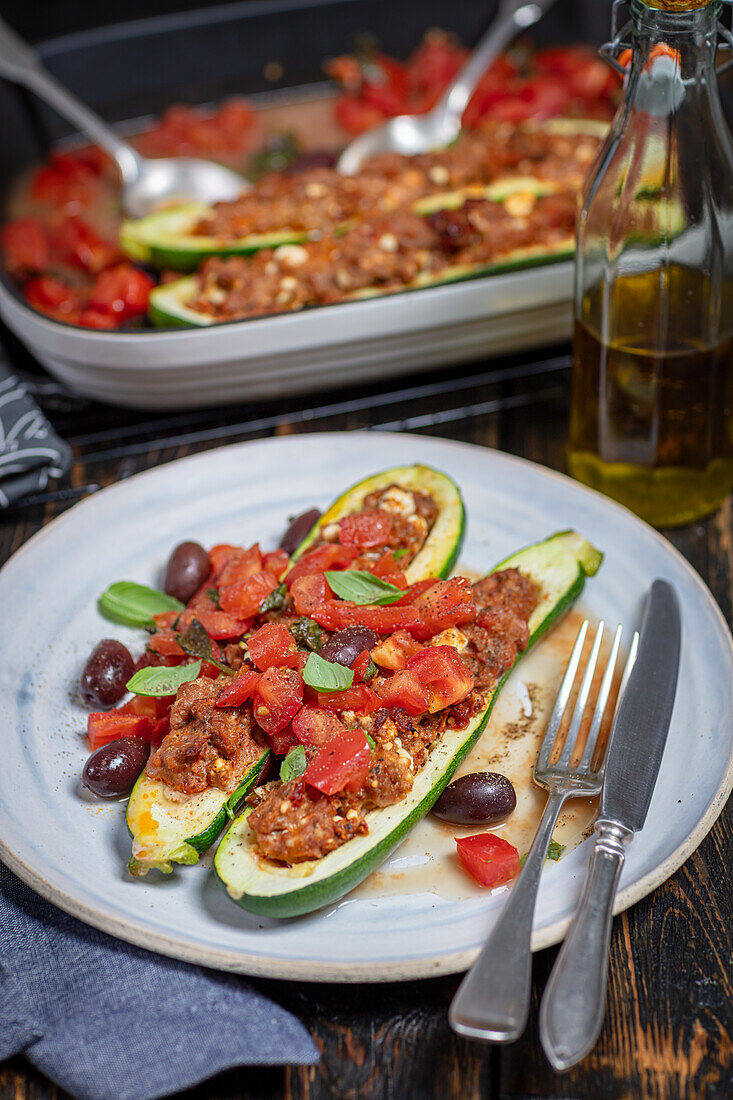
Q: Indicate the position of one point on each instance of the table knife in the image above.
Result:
(573, 1005)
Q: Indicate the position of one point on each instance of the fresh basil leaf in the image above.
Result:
(372, 742)
(361, 588)
(399, 553)
(325, 675)
(555, 850)
(308, 635)
(370, 672)
(161, 680)
(135, 604)
(275, 600)
(294, 764)
(213, 594)
(197, 643)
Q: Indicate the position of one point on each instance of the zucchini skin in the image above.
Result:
(306, 898)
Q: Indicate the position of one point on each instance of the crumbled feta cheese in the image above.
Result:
(388, 242)
(398, 501)
(291, 255)
(520, 204)
(451, 636)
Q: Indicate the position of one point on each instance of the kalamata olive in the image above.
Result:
(113, 769)
(345, 645)
(187, 569)
(298, 528)
(106, 673)
(481, 798)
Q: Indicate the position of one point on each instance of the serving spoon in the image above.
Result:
(411, 134)
(146, 182)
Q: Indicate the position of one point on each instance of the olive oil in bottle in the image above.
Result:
(651, 417)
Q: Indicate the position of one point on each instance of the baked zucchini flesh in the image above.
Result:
(557, 569)
(170, 826)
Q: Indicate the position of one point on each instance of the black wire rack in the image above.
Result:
(107, 439)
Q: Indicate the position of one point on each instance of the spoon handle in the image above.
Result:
(21, 64)
(514, 16)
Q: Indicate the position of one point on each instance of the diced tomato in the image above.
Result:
(25, 247)
(435, 62)
(489, 859)
(359, 698)
(282, 742)
(156, 660)
(394, 652)
(416, 590)
(330, 556)
(445, 604)
(365, 530)
(68, 181)
(165, 619)
(209, 670)
(355, 116)
(359, 666)
(243, 599)
(240, 689)
(220, 554)
(92, 318)
(122, 291)
(315, 726)
(273, 646)
(217, 624)
(74, 242)
(238, 565)
(166, 643)
(342, 764)
(336, 614)
(54, 298)
(277, 699)
(235, 116)
(404, 691)
(309, 593)
(276, 562)
(442, 671)
(105, 726)
(387, 567)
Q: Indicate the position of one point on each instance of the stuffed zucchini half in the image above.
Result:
(558, 567)
(168, 827)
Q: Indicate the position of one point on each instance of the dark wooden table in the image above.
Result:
(668, 1033)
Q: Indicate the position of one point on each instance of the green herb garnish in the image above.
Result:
(294, 764)
(555, 850)
(275, 600)
(213, 594)
(326, 675)
(363, 588)
(372, 742)
(135, 604)
(162, 681)
(308, 635)
(371, 671)
(197, 643)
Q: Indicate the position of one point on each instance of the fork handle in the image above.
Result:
(573, 1005)
(492, 1002)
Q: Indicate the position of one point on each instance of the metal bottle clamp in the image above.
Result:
(610, 50)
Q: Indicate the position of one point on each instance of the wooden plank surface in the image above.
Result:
(669, 1023)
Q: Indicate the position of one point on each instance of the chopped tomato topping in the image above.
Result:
(342, 764)
(74, 242)
(243, 599)
(217, 624)
(405, 692)
(490, 860)
(309, 593)
(442, 671)
(121, 291)
(394, 652)
(147, 705)
(323, 558)
(54, 298)
(445, 604)
(220, 554)
(240, 689)
(107, 725)
(277, 699)
(273, 646)
(282, 742)
(276, 562)
(360, 699)
(359, 666)
(416, 590)
(315, 726)
(68, 181)
(166, 643)
(237, 565)
(365, 530)
(25, 247)
(336, 614)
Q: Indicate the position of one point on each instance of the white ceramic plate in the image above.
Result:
(73, 849)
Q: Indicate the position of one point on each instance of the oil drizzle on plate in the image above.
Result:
(426, 862)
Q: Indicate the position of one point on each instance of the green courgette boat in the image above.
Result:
(168, 827)
(558, 568)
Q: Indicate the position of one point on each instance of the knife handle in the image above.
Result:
(573, 1004)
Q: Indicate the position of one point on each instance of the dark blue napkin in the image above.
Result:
(108, 1021)
(30, 450)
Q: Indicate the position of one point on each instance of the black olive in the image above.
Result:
(103, 681)
(298, 528)
(113, 769)
(481, 798)
(187, 569)
(345, 645)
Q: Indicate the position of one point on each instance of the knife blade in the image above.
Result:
(572, 1007)
(639, 731)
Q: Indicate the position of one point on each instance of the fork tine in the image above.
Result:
(598, 714)
(582, 700)
(561, 701)
(633, 649)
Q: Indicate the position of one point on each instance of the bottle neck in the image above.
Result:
(686, 39)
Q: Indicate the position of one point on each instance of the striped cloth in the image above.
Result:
(30, 451)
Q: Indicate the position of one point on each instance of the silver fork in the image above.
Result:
(492, 1002)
